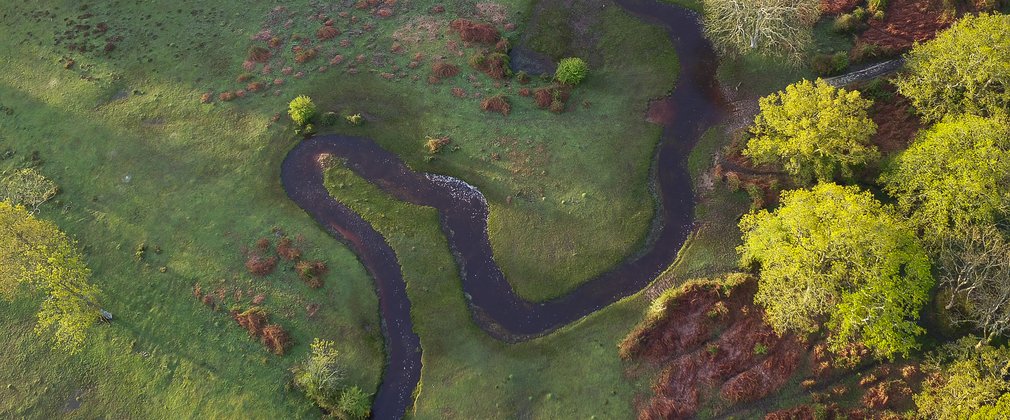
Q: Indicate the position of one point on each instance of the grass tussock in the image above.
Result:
(471, 31)
(497, 103)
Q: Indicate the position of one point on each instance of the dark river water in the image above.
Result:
(496, 308)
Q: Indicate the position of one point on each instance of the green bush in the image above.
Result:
(321, 376)
(829, 64)
(571, 71)
(847, 23)
(354, 403)
(328, 119)
(302, 109)
(865, 52)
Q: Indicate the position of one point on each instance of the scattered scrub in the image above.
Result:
(497, 103)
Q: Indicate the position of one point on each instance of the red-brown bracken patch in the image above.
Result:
(327, 32)
(253, 320)
(906, 22)
(836, 7)
(384, 12)
(287, 250)
(707, 336)
(497, 103)
(471, 31)
(226, 96)
(276, 339)
(896, 123)
(206, 98)
(260, 265)
(458, 92)
(444, 70)
(259, 54)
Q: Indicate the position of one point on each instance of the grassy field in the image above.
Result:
(141, 160)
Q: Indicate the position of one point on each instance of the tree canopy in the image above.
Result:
(770, 27)
(813, 130)
(836, 251)
(965, 381)
(974, 267)
(965, 69)
(36, 253)
(27, 187)
(957, 172)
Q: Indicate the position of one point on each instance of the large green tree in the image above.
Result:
(780, 28)
(814, 130)
(957, 172)
(36, 253)
(837, 252)
(965, 69)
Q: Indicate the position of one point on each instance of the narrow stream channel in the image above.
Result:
(496, 308)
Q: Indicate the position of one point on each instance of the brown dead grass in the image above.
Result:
(259, 265)
(259, 54)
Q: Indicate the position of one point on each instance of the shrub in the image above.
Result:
(865, 52)
(328, 119)
(355, 403)
(876, 5)
(287, 250)
(829, 64)
(321, 376)
(571, 71)
(497, 103)
(301, 109)
(435, 144)
(847, 23)
(253, 320)
(522, 77)
(355, 119)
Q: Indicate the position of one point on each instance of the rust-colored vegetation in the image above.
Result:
(497, 103)
(471, 31)
(444, 70)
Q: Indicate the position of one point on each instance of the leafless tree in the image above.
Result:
(974, 265)
(772, 27)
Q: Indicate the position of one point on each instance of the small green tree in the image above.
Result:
(321, 376)
(36, 253)
(302, 109)
(965, 69)
(965, 380)
(836, 251)
(813, 130)
(355, 403)
(957, 172)
(571, 71)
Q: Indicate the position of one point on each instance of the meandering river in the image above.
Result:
(696, 105)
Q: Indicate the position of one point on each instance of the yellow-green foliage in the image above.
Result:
(571, 71)
(965, 69)
(814, 130)
(301, 109)
(35, 252)
(321, 376)
(837, 251)
(966, 381)
(956, 172)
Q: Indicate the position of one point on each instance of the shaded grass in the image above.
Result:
(754, 75)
